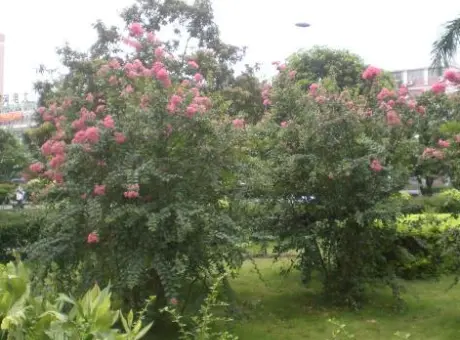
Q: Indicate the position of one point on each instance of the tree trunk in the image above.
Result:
(429, 186)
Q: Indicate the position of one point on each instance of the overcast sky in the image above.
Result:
(392, 34)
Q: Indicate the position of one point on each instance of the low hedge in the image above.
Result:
(424, 244)
(6, 189)
(447, 201)
(18, 229)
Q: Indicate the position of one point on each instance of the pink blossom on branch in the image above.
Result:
(238, 123)
(438, 87)
(92, 135)
(313, 89)
(119, 137)
(135, 29)
(193, 64)
(108, 122)
(376, 166)
(131, 194)
(443, 143)
(371, 72)
(432, 153)
(393, 118)
(36, 167)
(452, 75)
(281, 67)
(403, 91)
(92, 238)
(99, 190)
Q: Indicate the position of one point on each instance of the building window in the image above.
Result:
(434, 74)
(398, 77)
(416, 77)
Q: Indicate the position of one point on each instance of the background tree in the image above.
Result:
(244, 96)
(13, 156)
(320, 63)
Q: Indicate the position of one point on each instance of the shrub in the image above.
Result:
(447, 201)
(139, 167)
(6, 189)
(27, 316)
(450, 201)
(421, 245)
(18, 229)
(352, 162)
(202, 324)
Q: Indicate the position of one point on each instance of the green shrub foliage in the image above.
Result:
(19, 229)
(351, 155)
(138, 167)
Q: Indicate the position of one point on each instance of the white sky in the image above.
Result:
(393, 34)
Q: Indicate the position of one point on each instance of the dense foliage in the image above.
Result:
(138, 167)
(27, 316)
(155, 164)
(13, 157)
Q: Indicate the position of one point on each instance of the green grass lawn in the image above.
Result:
(281, 308)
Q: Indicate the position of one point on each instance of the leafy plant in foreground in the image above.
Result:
(25, 316)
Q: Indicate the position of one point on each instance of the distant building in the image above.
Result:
(17, 121)
(420, 80)
(17, 113)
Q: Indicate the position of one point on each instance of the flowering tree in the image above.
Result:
(350, 154)
(139, 166)
(431, 162)
(444, 131)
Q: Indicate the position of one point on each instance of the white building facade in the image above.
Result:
(420, 80)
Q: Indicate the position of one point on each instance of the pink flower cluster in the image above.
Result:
(99, 190)
(376, 166)
(279, 66)
(37, 167)
(371, 72)
(198, 104)
(391, 102)
(393, 118)
(92, 238)
(314, 89)
(452, 75)
(55, 150)
(266, 95)
(108, 122)
(432, 153)
(239, 123)
(193, 64)
(132, 192)
(443, 143)
(439, 87)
